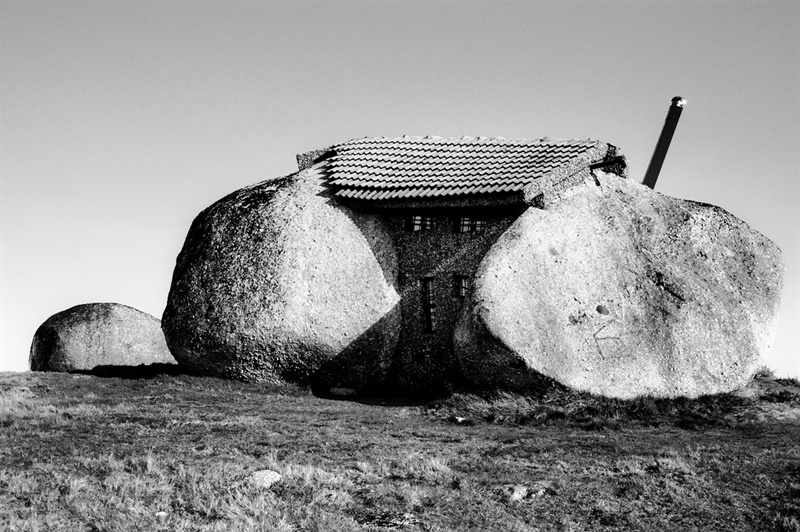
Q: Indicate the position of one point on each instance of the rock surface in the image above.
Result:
(93, 335)
(278, 283)
(621, 291)
(264, 478)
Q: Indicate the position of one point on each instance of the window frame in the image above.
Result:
(461, 285)
(416, 223)
(480, 225)
(428, 303)
(471, 224)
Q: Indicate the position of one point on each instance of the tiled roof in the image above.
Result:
(418, 167)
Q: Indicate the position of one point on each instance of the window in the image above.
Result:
(471, 225)
(460, 285)
(419, 223)
(428, 304)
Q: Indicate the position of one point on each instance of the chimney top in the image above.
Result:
(679, 101)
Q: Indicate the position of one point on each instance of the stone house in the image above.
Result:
(446, 201)
(410, 264)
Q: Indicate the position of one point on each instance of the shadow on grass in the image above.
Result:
(555, 402)
(373, 398)
(143, 371)
(588, 411)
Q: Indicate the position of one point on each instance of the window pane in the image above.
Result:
(419, 223)
(414, 223)
(465, 225)
(426, 287)
(460, 285)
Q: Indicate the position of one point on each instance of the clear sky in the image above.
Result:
(121, 121)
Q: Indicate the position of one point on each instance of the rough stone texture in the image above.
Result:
(277, 282)
(424, 359)
(551, 188)
(309, 158)
(93, 335)
(264, 478)
(621, 291)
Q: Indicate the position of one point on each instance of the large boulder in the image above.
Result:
(86, 337)
(277, 282)
(620, 291)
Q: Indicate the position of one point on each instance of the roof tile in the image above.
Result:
(404, 167)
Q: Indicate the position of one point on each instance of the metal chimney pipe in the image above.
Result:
(662, 146)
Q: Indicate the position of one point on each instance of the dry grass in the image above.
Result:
(175, 453)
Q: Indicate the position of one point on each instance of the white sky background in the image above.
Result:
(121, 121)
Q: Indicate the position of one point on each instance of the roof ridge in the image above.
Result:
(434, 139)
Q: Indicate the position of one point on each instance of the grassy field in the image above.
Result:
(175, 452)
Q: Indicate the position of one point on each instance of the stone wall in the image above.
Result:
(424, 360)
(559, 184)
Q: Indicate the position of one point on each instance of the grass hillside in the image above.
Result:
(175, 452)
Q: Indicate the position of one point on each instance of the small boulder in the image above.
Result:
(94, 335)
(343, 392)
(278, 282)
(264, 478)
(517, 492)
(620, 291)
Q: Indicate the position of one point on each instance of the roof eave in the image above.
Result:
(473, 201)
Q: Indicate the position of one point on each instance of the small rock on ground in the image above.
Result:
(264, 478)
(518, 493)
(343, 392)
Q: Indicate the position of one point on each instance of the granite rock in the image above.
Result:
(94, 335)
(621, 291)
(264, 478)
(277, 282)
